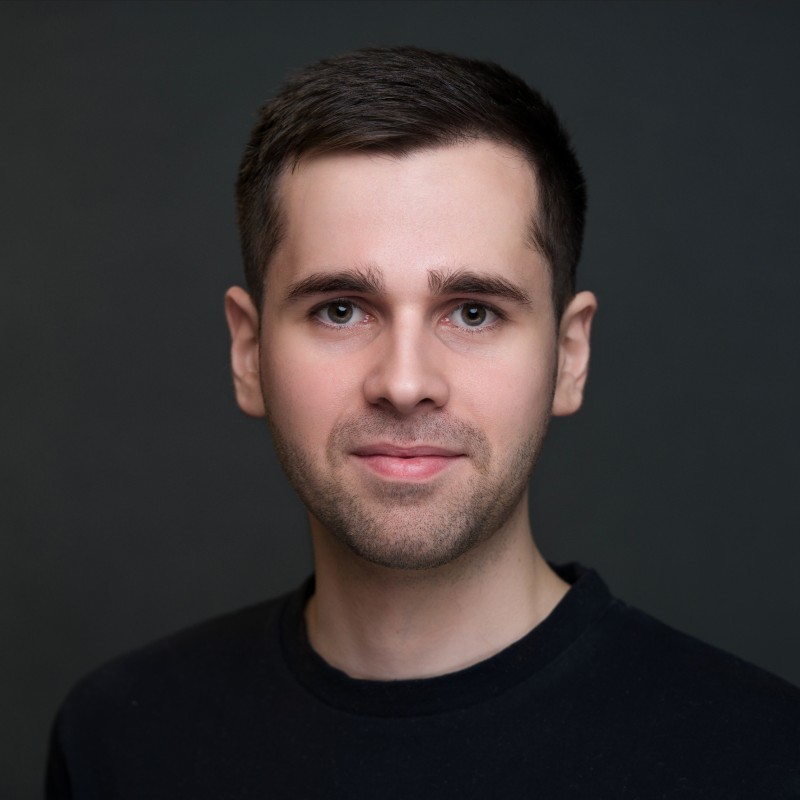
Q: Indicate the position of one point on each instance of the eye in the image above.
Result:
(473, 315)
(340, 314)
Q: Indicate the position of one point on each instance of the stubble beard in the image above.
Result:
(405, 525)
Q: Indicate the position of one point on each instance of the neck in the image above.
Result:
(378, 623)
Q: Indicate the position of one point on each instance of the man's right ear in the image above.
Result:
(242, 318)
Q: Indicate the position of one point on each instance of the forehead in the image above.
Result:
(466, 205)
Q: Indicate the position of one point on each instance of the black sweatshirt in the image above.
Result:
(598, 701)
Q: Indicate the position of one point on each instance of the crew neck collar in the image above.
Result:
(587, 598)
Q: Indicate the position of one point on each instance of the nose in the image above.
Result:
(407, 373)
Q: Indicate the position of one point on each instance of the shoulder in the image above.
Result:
(642, 650)
(186, 666)
(643, 667)
(730, 717)
(666, 709)
(141, 715)
(687, 665)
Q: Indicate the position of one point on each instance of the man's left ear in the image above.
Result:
(573, 353)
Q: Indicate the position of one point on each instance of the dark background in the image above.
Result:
(135, 499)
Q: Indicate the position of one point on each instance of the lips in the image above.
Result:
(396, 451)
(416, 462)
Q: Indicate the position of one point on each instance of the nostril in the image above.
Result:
(406, 374)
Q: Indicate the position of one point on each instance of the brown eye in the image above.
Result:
(473, 315)
(339, 312)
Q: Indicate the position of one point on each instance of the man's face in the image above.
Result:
(408, 348)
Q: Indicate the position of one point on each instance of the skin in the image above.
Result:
(408, 361)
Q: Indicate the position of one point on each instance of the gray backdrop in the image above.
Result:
(135, 498)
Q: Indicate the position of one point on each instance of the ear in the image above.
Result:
(573, 353)
(242, 318)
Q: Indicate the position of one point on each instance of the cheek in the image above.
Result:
(303, 394)
(513, 397)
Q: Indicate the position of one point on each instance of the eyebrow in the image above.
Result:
(369, 280)
(365, 281)
(465, 281)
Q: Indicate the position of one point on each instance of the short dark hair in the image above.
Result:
(395, 101)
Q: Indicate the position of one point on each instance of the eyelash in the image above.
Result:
(317, 311)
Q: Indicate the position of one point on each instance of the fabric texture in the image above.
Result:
(598, 701)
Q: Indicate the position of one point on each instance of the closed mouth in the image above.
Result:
(413, 463)
(399, 451)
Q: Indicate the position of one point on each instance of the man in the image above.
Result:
(411, 223)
